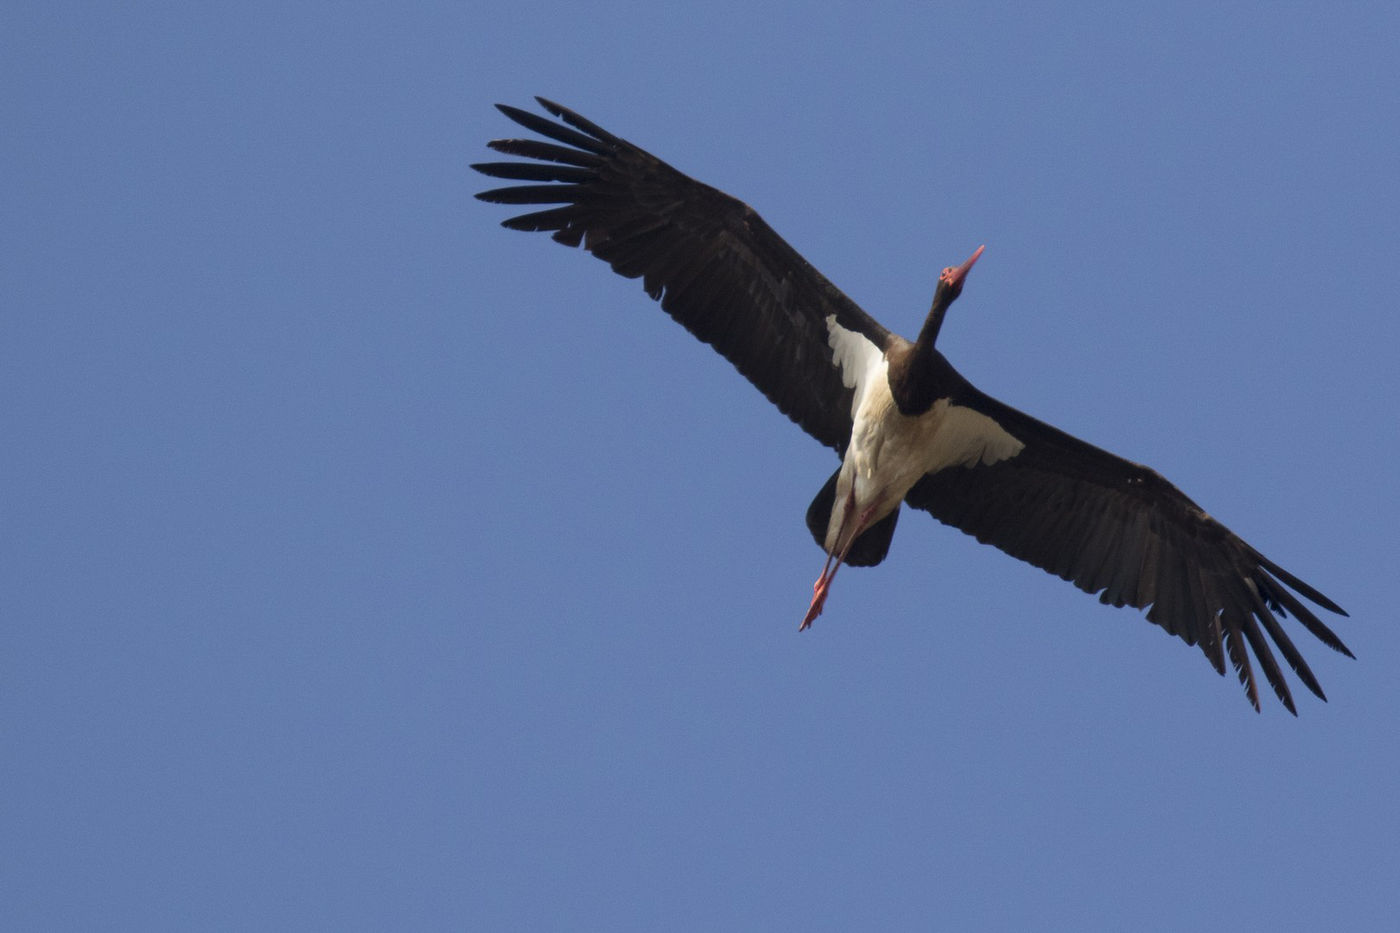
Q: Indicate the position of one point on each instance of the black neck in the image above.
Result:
(914, 371)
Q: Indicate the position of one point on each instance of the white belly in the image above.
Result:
(889, 452)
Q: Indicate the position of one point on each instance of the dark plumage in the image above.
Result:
(907, 425)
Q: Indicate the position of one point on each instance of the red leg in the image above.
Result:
(822, 587)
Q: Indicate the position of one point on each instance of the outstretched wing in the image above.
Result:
(710, 260)
(1120, 530)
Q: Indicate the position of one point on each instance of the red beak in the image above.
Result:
(956, 276)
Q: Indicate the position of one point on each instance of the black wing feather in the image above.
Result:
(713, 263)
(1118, 529)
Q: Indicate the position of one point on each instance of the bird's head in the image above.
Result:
(950, 281)
(950, 286)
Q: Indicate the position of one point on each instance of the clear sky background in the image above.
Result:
(365, 565)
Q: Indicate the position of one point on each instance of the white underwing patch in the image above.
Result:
(857, 358)
(969, 438)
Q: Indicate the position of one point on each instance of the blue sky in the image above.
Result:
(365, 565)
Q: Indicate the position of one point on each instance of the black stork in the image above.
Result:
(908, 427)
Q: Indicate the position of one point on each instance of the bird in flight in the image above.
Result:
(909, 428)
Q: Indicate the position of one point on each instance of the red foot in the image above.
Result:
(818, 601)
